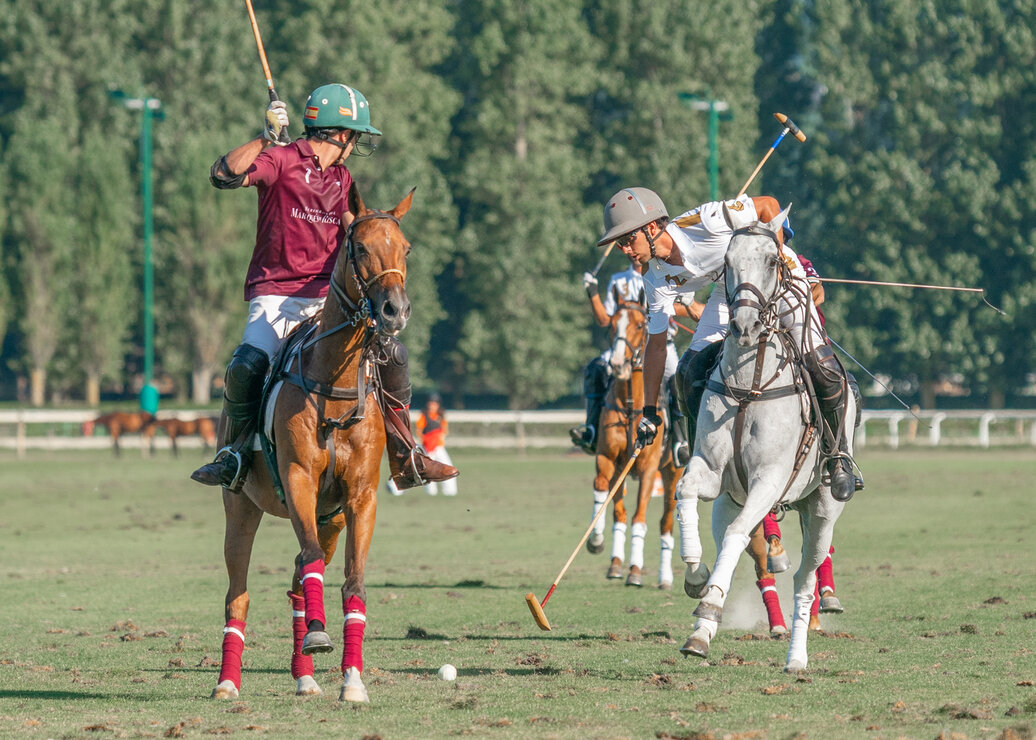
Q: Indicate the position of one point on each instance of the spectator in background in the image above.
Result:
(433, 428)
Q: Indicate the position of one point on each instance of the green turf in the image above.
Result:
(112, 584)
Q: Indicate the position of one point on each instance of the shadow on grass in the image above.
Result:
(458, 584)
(63, 695)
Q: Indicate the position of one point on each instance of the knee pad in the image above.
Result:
(243, 383)
(394, 368)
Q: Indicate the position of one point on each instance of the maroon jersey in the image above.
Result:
(300, 226)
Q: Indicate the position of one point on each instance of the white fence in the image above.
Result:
(24, 429)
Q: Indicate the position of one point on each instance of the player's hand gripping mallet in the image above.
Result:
(283, 136)
(536, 607)
(789, 127)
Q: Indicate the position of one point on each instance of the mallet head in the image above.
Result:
(790, 125)
(537, 612)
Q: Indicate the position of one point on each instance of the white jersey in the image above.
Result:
(628, 284)
(701, 236)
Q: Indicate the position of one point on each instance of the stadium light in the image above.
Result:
(718, 111)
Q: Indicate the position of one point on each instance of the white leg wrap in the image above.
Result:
(797, 656)
(690, 542)
(599, 498)
(665, 560)
(637, 544)
(619, 541)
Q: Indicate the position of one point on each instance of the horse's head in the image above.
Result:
(371, 270)
(754, 275)
(629, 336)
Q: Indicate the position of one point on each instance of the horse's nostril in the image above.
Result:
(388, 310)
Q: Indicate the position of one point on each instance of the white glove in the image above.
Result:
(589, 283)
(276, 121)
(648, 427)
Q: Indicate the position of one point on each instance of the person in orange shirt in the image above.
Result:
(433, 428)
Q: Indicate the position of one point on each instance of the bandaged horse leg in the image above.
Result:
(829, 379)
(618, 549)
(777, 560)
(765, 582)
(229, 684)
(595, 386)
(352, 653)
(595, 543)
(696, 478)
(829, 603)
(665, 561)
(817, 522)
(409, 465)
(316, 639)
(301, 665)
(637, 533)
(242, 397)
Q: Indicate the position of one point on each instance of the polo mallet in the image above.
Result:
(600, 262)
(284, 137)
(789, 127)
(536, 607)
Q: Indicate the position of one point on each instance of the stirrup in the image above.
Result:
(681, 453)
(228, 450)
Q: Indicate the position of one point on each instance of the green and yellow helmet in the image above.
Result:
(338, 106)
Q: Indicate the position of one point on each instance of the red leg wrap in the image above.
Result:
(825, 575)
(301, 665)
(768, 588)
(770, 527)
(233, 645)
(355, 624)
(313, 591)
(815, 609)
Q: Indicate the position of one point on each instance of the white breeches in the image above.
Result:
(449, 487)
(272, 317)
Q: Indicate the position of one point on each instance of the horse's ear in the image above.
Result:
(641, 298)
(615, 295)
(404, 205)
(778, 221)
(356, 206)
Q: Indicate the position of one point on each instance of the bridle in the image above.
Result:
(357, 311)
(767, 306)
(637, 352)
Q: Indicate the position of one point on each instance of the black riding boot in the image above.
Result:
(242, 397)
(831, 385)
(692, 373)
(408, 463)
(595, 386)
(677, 428)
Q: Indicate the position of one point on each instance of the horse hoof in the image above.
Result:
(225, 690)
(353, 690)
(695, 583)
(595, 544)
(316, 641)
(705, 610)
(307, 686)
(635, 578)
(777, 560)
(778, 630)
(614, 571)
(831, 605)
(665, 585)
(695, 646)
(795, 666)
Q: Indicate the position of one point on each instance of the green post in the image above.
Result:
(694, 101)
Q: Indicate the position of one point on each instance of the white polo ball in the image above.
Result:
(448, 673)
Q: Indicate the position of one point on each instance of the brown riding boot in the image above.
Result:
(409, 465)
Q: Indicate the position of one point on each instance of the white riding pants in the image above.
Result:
(271, 318)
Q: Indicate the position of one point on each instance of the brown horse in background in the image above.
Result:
(623, 407)
(118, 423)
(329, 438)
(203, 426)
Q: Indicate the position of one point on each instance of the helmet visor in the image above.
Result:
(365, 144)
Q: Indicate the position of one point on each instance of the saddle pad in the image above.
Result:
(268, 407)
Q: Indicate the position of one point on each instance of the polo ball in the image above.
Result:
(448, 673)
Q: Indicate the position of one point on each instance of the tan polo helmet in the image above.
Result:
(628, 210)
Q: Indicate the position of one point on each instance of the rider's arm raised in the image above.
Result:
(230, 170)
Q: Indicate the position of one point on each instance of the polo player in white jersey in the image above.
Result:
(627, 285)
(688, 254)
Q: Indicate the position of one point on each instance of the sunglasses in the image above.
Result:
(624, 241)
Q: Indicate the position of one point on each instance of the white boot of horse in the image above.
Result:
(665, 562)
(798, 659)
(618, 550)
(636, 575)
(704, 630)
(595, 543)
(353, 689)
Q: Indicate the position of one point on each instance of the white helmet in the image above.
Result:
(628, 210)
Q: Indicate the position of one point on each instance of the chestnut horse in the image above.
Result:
(203, 426)
(623, 407)
(330, 437)
(118, 423)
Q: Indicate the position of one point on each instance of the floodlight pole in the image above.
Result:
(695, 101)
(150, 108)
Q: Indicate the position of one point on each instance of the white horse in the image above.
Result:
(756, 436)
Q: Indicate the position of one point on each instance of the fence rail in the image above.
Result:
(24, 429)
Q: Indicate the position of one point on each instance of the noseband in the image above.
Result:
(361, 311)
(766, 305)
(637, 352)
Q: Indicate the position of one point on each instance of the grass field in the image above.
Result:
(112, 585)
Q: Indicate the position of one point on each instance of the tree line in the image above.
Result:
(516, 121)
